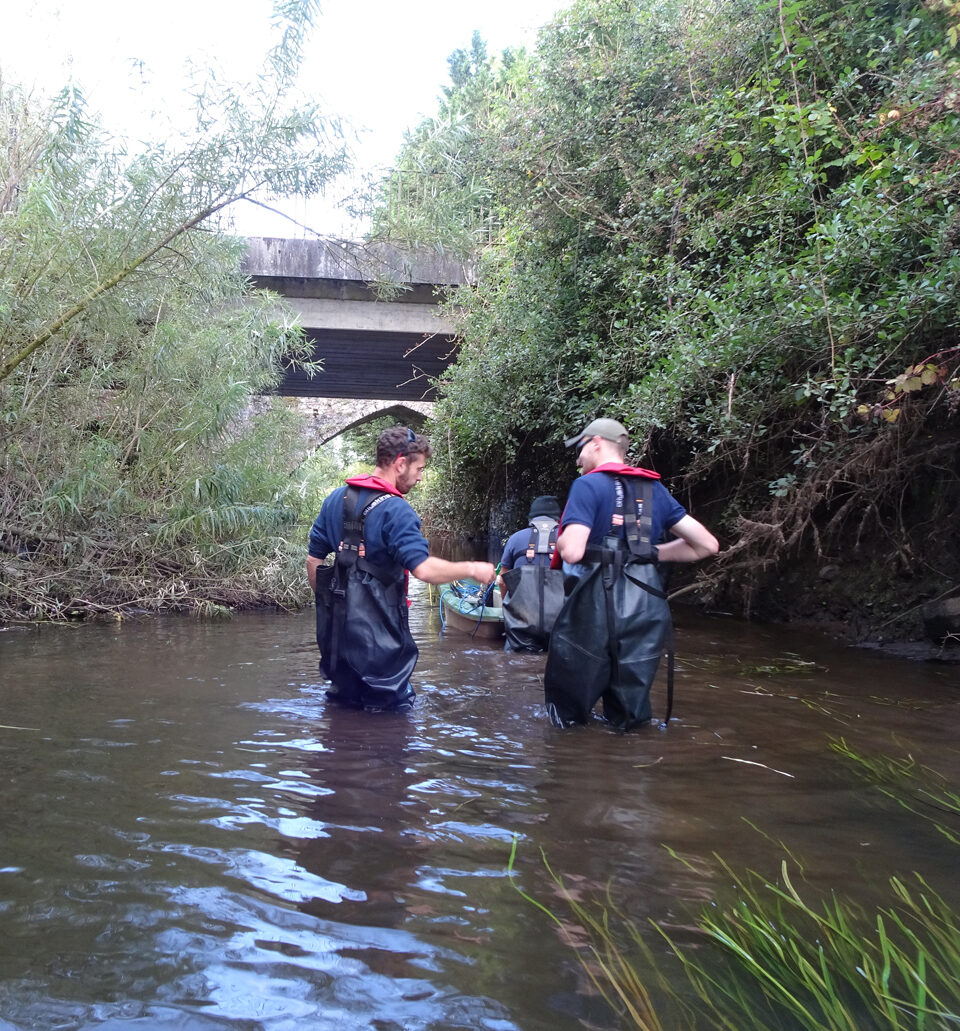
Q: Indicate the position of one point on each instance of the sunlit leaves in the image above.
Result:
(733, 226)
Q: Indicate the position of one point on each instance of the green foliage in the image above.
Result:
(441, 194)
(139, 465)
(828, 964)
(360, 442)
(733, 227)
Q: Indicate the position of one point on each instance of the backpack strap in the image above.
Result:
(637, 515)
(541, 543)
(352, 550)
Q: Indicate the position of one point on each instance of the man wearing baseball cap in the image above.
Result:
(607, 640)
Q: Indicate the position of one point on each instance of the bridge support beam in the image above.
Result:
(371, 311)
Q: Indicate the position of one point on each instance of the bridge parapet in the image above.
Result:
(348, 261)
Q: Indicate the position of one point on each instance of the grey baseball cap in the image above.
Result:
(609, 429)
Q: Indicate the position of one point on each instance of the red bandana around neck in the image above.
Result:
(624, 470)
(373, 483)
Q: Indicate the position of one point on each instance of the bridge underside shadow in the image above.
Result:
(381, 350)
(376, 366)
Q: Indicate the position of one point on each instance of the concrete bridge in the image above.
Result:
(370, 310)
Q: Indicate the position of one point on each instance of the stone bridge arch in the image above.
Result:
(328, 417)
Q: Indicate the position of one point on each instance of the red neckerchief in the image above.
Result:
(371, 482)
(624, 470)
(619, 469)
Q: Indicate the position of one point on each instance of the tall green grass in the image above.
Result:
(913, 786)
(776, 954)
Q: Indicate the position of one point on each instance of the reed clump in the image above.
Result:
(779, 954)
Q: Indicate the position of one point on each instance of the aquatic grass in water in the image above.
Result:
(775, 957)
(612, 970)
(785, 664)
(917, 788)
(827, 964)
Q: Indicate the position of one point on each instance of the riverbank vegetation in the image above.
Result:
(140, 465)
(733, 226)
(773, 952)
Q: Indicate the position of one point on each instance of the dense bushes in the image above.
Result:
(135, 469)
(733, 227)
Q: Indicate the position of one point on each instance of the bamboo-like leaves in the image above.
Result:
(140, 465)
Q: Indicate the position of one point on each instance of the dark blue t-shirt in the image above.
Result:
(515, 551)
(593, 498)
(391, 531)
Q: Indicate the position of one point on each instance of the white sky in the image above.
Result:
(380, 64)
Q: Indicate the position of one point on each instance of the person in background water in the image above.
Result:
(363, 633)
(607, 640)
(533, 592)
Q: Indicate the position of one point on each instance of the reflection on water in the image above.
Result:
(193, 838)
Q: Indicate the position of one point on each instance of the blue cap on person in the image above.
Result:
(608, 429)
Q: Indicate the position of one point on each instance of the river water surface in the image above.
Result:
(193, 838)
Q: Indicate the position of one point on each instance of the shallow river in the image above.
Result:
(193, 838)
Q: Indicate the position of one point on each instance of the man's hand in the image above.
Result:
(312, 565)
(485, 572)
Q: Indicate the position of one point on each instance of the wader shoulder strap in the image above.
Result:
(353, 550)
(671, 668)
(541, 543)
(634, 515)
(637, 514)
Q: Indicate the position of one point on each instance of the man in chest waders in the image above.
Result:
(363, 633)
(607, 640)
(532, 591)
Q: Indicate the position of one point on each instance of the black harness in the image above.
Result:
(633, 514)
(352, 555)
(533, 592)
(352, 550)
(541, 541)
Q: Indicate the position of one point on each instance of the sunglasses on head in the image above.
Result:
(411, 439)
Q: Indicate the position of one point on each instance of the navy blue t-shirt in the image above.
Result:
(593, 498)
(391, 531)
(515, 551)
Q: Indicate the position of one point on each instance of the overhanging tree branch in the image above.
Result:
(54, 327)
